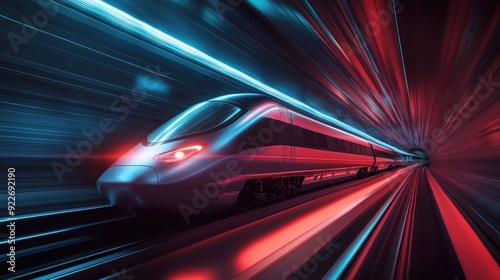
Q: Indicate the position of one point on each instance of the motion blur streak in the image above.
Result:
(276, 244)
(124, 20)
(469, 248)
(205, 274)
(404, 205)
(347, 257)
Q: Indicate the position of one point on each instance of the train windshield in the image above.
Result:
(200, 118)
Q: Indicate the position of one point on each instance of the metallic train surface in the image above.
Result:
(237, 150)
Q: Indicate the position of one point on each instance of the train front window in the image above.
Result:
(200, 118)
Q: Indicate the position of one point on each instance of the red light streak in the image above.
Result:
(469, 248)
(280, 242)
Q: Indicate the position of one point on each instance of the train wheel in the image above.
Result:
(292, 191)
(359, 174)
(244, 201)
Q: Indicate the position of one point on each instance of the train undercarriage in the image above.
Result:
(259, 190)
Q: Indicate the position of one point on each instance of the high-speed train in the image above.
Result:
(236, 150)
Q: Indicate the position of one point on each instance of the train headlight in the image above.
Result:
(179, 154)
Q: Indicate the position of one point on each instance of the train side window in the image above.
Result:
(349, 147)
(309, 138)
(358, 149)
(336, 144)
(330, 143)
(354, 150)
(352, 147)
(297, 136)
(322, 141)
(343, 145)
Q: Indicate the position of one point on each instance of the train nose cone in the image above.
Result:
(129, 186)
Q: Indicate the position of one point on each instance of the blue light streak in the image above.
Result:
(160, 38)
(52, 213)
(340, 266)
(64, 273)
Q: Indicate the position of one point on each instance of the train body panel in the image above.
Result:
(322, 147)
(384, 158)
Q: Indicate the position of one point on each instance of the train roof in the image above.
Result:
(249, 100)
(246, 100)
